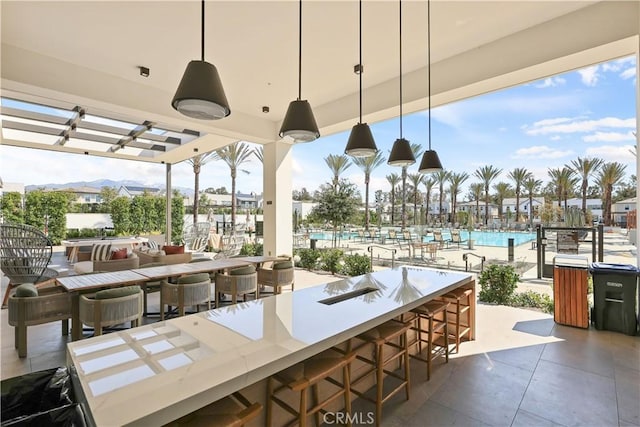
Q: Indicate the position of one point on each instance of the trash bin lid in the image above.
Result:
(571, 261)
(603, 267)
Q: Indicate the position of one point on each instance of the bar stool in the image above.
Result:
(305, 375)
(460, 300)
(230, 411)
(381, 336)
(435, 326)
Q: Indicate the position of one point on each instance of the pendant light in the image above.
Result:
(430, 161)
(200, 94)
(401, 153)
(299, 122)
(361, 142)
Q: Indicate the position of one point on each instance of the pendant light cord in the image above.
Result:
(202, 34)
(400, 32)
(429, 66)
(360, 60)
(300, 52)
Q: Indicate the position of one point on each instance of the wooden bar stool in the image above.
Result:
(230, 411)
(437, 332)
(381, 336)
(460, 311)
(309, 374)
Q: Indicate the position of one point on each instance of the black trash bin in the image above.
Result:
(312, 243)
(615, 297)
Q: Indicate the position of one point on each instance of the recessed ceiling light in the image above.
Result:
(144, 71)
(265, 109)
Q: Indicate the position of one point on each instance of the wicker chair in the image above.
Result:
(25, 253)
(191, 290)
(107, 308)
(279, 275)
(196, 236)
(50, 305)
(240, 281)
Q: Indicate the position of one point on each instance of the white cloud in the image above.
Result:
(545, 127)
(550, 122)
(556, 138)
(610, 153)
(609, 137)
(628, 73)
(540, 152)
(450, 114)
(590, 75)
(551, 82)
(502, 129)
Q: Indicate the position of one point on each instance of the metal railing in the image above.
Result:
(393, 254)
(465, 258)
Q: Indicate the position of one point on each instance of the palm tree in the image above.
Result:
(585, 167)
(476, 189)
(416, 179)
(531, 185)
(518, 176)
(368, 164)
(610, 174)
(416, 149)
(197, 162)
(428, 185)
(564, 180)
(393, 180)
(455, 182)
(502, 191)
(487, 174)
(234, 155)
(338, 163)
(441, 177)
(259, 152)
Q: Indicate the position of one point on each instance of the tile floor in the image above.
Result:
(522, 370)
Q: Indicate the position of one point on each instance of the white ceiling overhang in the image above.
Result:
(86, 54)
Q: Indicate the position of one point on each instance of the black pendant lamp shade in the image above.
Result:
(361, 142)
(299, 122)
(200, 94)
(401, 153)
(430, 161)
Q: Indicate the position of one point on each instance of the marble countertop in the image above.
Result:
(156, 373)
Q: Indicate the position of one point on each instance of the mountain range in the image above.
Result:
(99, 183)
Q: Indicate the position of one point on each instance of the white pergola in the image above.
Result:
(83, 56)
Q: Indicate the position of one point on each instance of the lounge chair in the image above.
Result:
(437, 237)
(456, 238)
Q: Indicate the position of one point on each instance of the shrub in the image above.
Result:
(497, 283)
(356, 265)
(330, 260)
(251, 249)
(532, 299)
(308, 258)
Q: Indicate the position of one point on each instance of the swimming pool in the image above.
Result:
(328, 235)
(493, 238)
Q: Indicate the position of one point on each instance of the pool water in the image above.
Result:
(493, 238)
(328, 235)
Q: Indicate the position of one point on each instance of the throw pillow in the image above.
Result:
(243, 270)
(26, 290)
(119, 254)
(173, 250)
(152, 245)
(101, 252)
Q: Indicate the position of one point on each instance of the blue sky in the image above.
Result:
(540, 125)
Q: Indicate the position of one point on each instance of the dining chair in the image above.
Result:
(239, 282)
(111, 307)
(190, 290)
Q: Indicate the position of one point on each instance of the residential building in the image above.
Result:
(82, 195)
(621, 209)
(132, 191)
(509, 205)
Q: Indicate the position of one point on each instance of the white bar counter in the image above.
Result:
(156, 373)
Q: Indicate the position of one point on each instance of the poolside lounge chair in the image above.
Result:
(456, 238)
(437, 237)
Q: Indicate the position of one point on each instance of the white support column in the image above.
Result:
(277, 202)
(167, 236)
